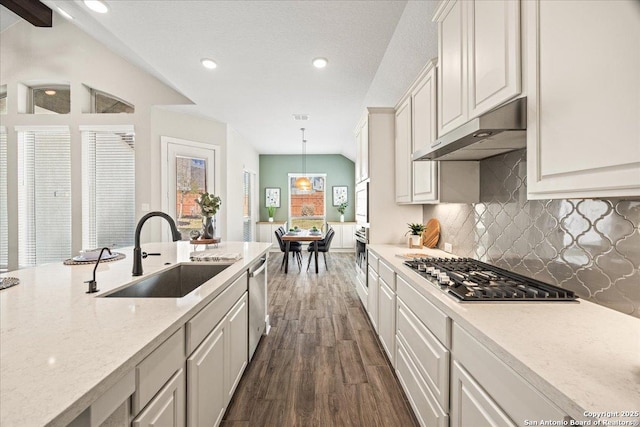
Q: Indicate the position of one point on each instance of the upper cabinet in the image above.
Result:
(415, 128)
(583, 99)
(362, 150)
(479, 51)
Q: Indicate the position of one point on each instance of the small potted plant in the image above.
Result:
(416, 234)
(341, 208)
(272, 212)
(209, 205)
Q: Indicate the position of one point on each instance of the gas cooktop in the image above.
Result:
(471, 280)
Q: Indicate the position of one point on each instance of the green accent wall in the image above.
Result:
(275, 169)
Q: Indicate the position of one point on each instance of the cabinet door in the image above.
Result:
(387, 319)
(424, 129)
(364, 151)
(348, 236)
(494, 53)
(372, 298)
(403, 152)
(264, 233)
(583, 127)
(167, 408)
(452, 65)
(336, 243)
(238, 345)
(470, 405)
(205, 380)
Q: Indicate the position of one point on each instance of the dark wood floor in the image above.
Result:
(321, 364)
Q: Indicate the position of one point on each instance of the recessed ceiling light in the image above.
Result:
(65, 14)
(96, 6)
(50, 92)
(320, 62)
(208, 63)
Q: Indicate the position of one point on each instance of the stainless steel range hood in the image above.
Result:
(498, 131)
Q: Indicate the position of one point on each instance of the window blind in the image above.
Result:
(246, 206)
(108, 192)
(4, 227)
(44, 196)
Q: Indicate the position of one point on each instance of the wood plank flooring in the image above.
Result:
(321, 364)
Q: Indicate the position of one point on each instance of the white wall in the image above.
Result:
(64, 53)
(241, 156)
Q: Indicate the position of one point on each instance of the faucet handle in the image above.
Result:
(144, 254)
(93, 286)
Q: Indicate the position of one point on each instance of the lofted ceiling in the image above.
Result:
(264, 51)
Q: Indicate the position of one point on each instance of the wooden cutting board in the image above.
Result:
(431, 233)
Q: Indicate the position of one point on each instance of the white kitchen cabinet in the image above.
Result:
(266, 233)
(344, 237)
(167, 408)
(372, 298)
(470, 405)
(403, 152)
(238, 342)
(426, 182)
(452, 70)
(387, 319)
(583, 99)
(479, 51)
(362, 150)
(215, 367)
(206, 392)
(493, 53)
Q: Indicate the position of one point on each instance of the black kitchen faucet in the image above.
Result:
(137, 251)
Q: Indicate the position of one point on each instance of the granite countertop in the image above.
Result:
(582, 356)
(61, 348)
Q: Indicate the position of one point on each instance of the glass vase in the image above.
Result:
(208, 227)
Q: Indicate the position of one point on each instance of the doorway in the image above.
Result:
(189, 168)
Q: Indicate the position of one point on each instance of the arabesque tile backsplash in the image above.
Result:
(590, 246)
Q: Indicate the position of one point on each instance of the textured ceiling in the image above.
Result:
(264, 51)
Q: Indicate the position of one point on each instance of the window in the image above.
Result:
(4, 228)
(44, 194)
(3, 99)
(108, 187)
(51, 99)
(307, 208)
(103, 103)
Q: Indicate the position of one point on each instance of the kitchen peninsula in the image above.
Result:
(62, 349)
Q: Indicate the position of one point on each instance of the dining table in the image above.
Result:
(300, 236)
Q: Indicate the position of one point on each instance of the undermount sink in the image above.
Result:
(176, 282)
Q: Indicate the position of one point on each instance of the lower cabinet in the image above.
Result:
(470, 405)
(372, 298)
(266, 233)
(167, 408)
(215, 367)
(205, 378)
(387, 319)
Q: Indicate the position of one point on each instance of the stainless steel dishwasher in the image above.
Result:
(257, 303)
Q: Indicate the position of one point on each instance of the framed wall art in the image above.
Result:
(272, 197)
(340, 194)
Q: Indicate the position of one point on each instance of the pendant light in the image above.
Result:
(302, 183)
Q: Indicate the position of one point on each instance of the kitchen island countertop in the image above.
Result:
(60, 348)
(582, 356)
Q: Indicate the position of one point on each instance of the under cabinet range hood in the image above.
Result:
(498, 131)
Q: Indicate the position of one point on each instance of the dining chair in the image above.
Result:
(295, 248)
(322, 246)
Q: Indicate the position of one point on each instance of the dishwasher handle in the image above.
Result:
(260, 269)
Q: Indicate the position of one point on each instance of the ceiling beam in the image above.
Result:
(30, 10)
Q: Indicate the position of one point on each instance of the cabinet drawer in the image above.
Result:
(387, 274)
(154, 371)
(430, 358)
(372, 260)
(424, 405)
(435, 320)
(519, 399)
(202, 323)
